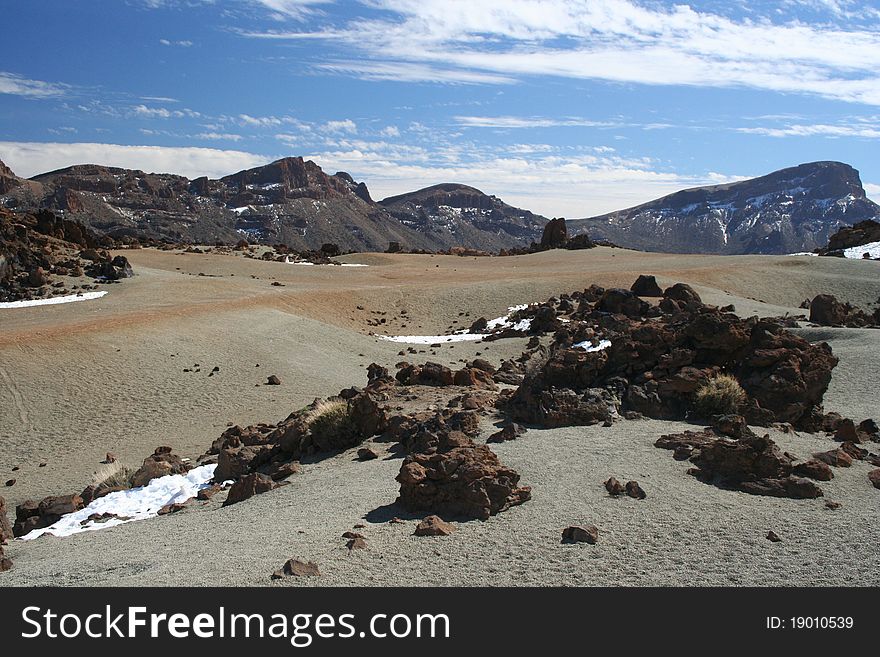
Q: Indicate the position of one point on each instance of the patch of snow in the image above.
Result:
(85, 296)
(803, 253)
(432, 339)
(352, 264)
(134, 504)
(586, 345)
(872, 249)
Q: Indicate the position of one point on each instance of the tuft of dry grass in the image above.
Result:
(329, 421)
(721, 395)
(112, 475)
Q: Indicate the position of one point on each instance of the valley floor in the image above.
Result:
(79, 380)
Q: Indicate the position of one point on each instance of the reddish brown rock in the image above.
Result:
(59, 505)
(635, 491)
(836, 457)
(814, 469)
(206, 494)
(5, 526)
(356, 543)
(459, 478)
(580, 534)
(792, 487)
(740, 460)
(433, 526)
(509, 431)
(273, 380)
(297, 568)
(367, 454)
(874, 477)
(474, 378)
(5, 562)
(160, 464)
(614, 487)
(248, 486)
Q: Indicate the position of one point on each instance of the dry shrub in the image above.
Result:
(330, 422)
(721, 395)
(112, 475)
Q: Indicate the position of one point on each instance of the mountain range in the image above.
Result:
(788, 211)
(290, 201)
(294, 202)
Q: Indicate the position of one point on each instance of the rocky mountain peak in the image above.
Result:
(790, 210)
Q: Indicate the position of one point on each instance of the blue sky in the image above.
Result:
(568, 108)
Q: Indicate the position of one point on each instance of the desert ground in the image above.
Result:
(107, 375)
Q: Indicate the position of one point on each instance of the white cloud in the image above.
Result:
(143, 111)
(818, 129)
(32, 158)
(527, 122)
(549, 184)
(17, 85)
(345, 125)
(296, 9)
(873, 191)
(390, 131)
(259, 121)
(186, 43)
(396, 71)
(495, 41)
(219, 136)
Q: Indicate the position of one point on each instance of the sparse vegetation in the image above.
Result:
(112, 475)
(721, 395)
(330, 422)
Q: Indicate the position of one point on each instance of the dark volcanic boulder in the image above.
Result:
(622, 302)
(646, 286)
(684, 293)
(742, 460)
(826, 310)
(246, 487)
(460, 478)
(555, 234)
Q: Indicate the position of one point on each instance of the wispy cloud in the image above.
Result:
(143, 111)
(494, 41)
(32, 158)
(539, 178)
(18, 85)
(186, 43)
(861, 130)
(295, 9)
(514, 122)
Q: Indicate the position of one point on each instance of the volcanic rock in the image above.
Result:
(635, 491)
(814, 469)
(646, 286)
(160, 464)
(614, 487)
(580, 534)
(248, 486)
(459, 478)
(297, 568)
(434, 526)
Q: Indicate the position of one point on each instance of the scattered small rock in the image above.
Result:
(834, 506)
(614, 487)
(110, 458)
(635, 491)
(357, 543)
(297, 568)
(773, 537)
(367, 454)
(580, 534)
(433, 526)
(10, 482)
(874, 477)
(273, 381)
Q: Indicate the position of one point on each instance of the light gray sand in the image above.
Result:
(68, 396)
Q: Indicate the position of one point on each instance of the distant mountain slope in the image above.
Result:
(290, 201)
(791, 210)
(466, 213)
